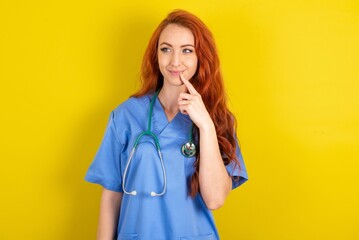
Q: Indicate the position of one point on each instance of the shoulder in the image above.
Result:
(133, 102)
(131, 107)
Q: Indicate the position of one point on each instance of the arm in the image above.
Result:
(109, 213)
(214, 181)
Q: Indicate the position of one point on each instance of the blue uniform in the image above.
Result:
(175, 215)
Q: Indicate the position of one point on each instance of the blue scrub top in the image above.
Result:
(174, 215)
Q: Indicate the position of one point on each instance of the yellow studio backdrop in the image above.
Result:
(291, 69)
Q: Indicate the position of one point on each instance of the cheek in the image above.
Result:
(193, 65)
(192, 68)
(161, 63)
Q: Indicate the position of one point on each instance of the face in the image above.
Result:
(176, 54)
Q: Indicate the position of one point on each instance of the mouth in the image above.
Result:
(175, 73)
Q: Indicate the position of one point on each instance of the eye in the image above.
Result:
(164, 49)
(187, 50)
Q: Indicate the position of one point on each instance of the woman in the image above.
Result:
(169, 194)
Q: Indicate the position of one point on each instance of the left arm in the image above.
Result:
(214, 181)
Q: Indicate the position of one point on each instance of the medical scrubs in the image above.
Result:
(174, 215)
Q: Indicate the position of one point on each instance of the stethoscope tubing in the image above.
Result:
(158, 148)
(134, 192)
(188, 150)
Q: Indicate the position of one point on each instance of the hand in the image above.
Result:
(191, 104)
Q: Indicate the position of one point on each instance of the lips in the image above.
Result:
(175, 73)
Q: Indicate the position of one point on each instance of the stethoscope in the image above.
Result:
(188, 150)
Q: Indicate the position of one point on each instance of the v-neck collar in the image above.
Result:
(160, 122)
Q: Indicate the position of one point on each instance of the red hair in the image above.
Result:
(207, 81)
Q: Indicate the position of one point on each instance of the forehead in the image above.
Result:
(176, 35)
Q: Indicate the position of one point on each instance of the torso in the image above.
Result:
(175, 215)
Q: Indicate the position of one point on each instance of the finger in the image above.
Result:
(185, 96)
(183, 110)
(189, 86)
(183, 102)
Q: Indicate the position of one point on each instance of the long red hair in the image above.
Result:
(207, 81)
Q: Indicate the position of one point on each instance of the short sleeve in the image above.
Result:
(105, 168)
(238, 173)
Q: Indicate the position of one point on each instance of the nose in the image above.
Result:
(176, 59)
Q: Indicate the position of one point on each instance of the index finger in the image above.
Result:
(189, 86)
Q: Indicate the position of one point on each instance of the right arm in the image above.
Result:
(109, 214)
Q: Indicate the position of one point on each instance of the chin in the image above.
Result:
(174, 81)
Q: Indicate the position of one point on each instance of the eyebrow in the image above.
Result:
(185, 45)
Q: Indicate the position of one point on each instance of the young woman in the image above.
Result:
(170, 154)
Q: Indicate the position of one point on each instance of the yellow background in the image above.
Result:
(291, 69)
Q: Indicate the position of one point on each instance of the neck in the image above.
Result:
(168, 98)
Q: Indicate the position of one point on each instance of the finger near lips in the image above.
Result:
(182, 77)
(185, 99)
(189, 86)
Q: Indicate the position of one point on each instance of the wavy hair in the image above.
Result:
(207, 81)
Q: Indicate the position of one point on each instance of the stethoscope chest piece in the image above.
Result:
(188, 149)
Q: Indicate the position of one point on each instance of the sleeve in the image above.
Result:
(238, 173)
(105, 168)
